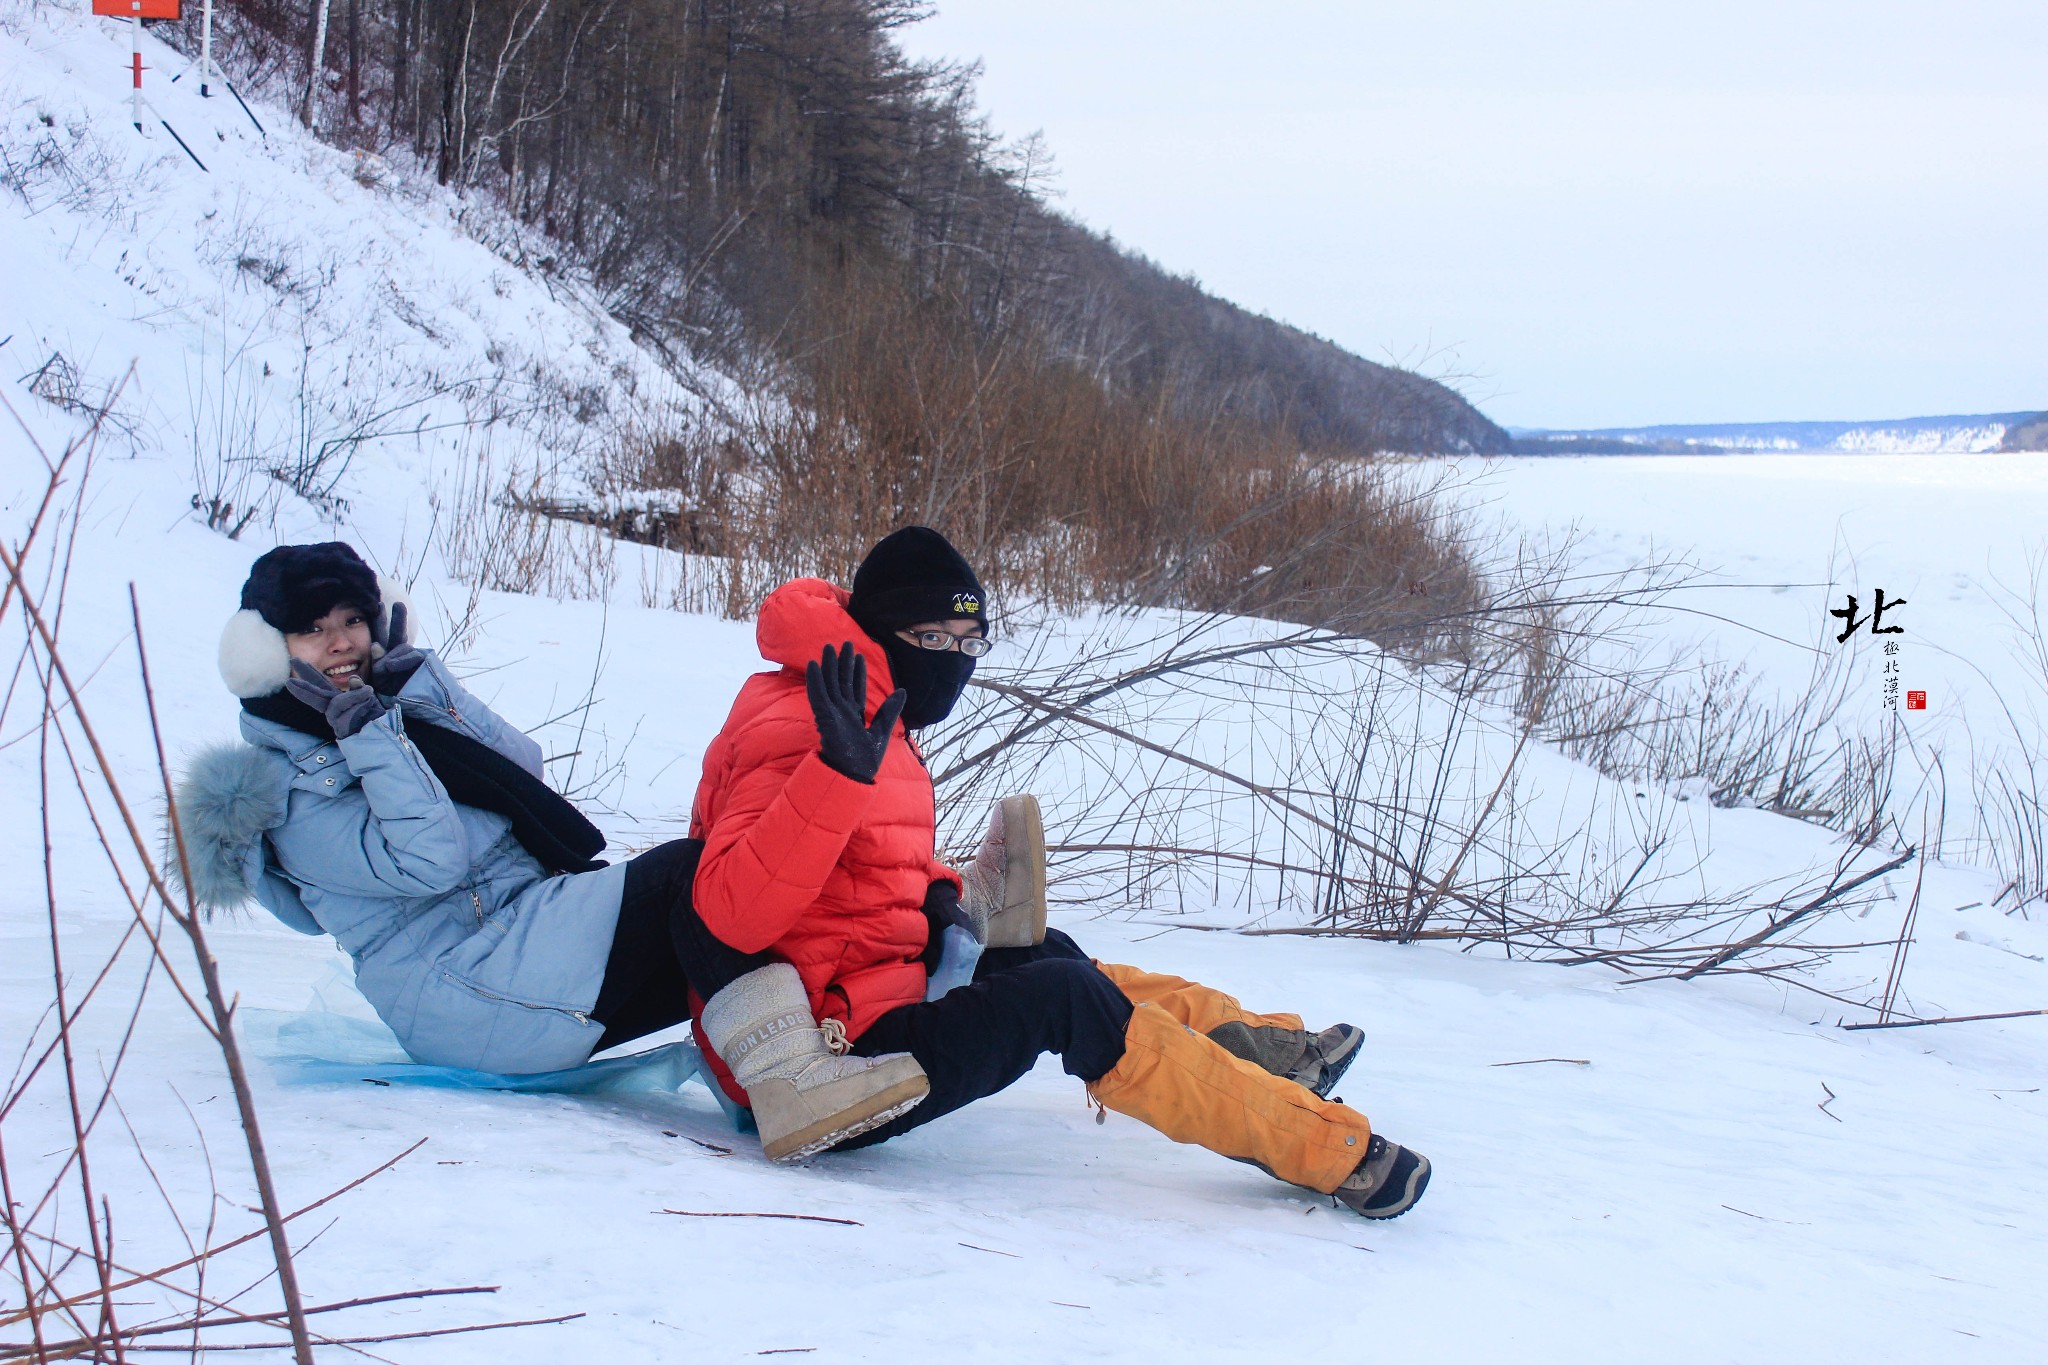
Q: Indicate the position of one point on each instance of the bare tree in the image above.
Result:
(316, 57)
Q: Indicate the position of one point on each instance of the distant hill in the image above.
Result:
(743, 181)
(2031, 434)
(1971, 432)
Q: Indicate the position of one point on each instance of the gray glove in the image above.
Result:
(395, 667)
(347, 711)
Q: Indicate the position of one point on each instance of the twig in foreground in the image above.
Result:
(1834, 892)
(370, 1341)
(798, 1217)
(216, 999)
(1951, 1019)
(158, 1276)
(129, 1336)
(1761, 1219)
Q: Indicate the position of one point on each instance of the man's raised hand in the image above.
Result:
(838, 684)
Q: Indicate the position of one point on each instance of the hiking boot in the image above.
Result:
(1313, 1061)
(1006, 880)
(1326, 1058)
(1387, 1183)
(806, 1093)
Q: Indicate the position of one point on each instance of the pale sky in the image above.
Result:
(1584, 212)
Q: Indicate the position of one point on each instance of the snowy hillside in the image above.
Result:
(305, 344)
(303, 332)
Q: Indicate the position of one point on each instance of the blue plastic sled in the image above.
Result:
(321, 1047)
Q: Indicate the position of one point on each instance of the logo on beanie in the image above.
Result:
(966, 604)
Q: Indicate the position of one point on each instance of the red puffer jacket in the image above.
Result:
(828, 873)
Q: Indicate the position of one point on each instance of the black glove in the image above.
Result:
(390, 673)
(838, 684)
(346, 711)
(941, 912)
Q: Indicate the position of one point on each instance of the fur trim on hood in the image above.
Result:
(255, 663)
(229, 796)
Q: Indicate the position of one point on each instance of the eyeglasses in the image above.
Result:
(973, 646)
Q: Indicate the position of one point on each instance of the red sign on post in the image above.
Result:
(138, 9)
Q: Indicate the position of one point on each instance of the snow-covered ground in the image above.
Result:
(1681, 1187)
(1682, 1197)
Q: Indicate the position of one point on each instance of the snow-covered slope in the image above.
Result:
(303, 331)
(1681, 1187)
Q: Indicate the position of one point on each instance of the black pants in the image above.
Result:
(978, 1039)
(661, 949)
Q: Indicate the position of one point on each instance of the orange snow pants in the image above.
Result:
(1190, 1089)
(1200, 1007)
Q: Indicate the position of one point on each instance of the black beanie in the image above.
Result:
(915, 575)
(293, 586)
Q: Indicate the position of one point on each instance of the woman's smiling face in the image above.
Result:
(338, 645)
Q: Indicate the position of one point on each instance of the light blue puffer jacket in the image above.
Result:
(465, 946)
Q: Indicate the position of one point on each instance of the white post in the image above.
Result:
(135, 21)
(205, 49)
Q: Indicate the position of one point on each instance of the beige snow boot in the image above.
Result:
(1006, 880)
(806, 1093)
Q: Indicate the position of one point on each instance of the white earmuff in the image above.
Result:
(253, 659)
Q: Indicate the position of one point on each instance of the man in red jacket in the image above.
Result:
(818, 822)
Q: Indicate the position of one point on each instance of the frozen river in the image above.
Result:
(1775, 543)
(1781, 540)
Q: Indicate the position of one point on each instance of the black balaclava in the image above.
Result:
(916, 575)
(293, 586)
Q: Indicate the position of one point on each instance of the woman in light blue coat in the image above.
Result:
(376, 800)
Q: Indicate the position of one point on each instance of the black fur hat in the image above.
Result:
(293, 586)
(915, 575)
